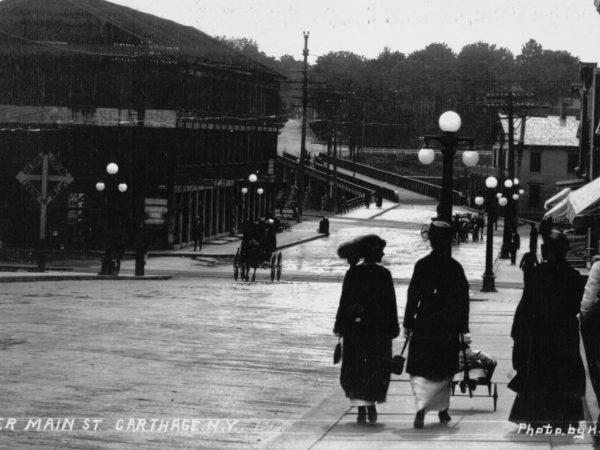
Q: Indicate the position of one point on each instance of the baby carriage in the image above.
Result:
(478, 371)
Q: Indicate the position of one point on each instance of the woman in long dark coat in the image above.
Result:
(437, 312)
(550, 379)
(367, 319)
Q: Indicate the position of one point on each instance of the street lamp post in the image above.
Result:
(252, 178)
(449, 123)
(244, 192)
(489, 283)
(511, 189)
(107, 264)
(260, 191)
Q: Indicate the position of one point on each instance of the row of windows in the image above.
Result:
(89, 83)
(535, 162)
(223, 146)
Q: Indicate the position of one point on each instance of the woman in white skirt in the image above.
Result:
(437, 312)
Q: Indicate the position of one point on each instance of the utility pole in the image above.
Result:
(335, 193)
(303, 139)
(512, 104)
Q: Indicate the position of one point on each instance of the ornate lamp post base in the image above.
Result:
(489, 283)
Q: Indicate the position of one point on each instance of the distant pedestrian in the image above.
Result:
(379, 198)
(436, 314)
(533, 236)
(514, 245)
(367, 320)
(198, 233)
(368, 199)
(119, 251)
(343, 204)
(550, 379)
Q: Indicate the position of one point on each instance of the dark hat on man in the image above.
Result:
(556, 243)
(440, 231)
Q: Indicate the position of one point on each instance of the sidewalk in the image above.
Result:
(474, 425)
(302, 232)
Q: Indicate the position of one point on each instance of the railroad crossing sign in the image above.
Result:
(42, 195)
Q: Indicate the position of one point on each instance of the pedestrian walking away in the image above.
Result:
(590, 327)
(550, 378)
(367, 321)
(533, 237)
(436, 313)
(379, 198)
(368, 199)
(514, 245)
(198, 233)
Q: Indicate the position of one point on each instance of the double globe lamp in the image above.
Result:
(449, 122)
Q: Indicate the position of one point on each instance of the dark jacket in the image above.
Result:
(367, 319)
(437, 311)
(550, 377)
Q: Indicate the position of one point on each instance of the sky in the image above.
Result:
(366, 27)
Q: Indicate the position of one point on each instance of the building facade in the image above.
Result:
(546, 153)
(185, 118)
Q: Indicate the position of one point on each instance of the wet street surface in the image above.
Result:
(195, 361)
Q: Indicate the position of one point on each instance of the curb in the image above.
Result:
(230, 255)
(49, 277)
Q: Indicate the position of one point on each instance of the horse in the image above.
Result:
(252, 257)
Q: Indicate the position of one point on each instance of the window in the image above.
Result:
(534, 195)
(535, 162)
(572, 162)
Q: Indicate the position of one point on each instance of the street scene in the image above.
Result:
(250, 362)
(272, 226)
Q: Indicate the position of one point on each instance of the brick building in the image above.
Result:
(186, 119)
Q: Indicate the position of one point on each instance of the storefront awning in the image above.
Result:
(570, 204)
(584, 200)
(559, 210)
(556, 199)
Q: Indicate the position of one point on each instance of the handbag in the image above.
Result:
(337, 353)
(396, 364)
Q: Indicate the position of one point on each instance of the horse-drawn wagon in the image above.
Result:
(258, 249)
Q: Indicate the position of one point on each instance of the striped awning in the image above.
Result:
(570, 204)
(556, 199)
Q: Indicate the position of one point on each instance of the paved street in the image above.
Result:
(202, 361)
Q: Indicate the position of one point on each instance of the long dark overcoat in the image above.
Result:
(367, 319)
(437, 311)
(550, 376)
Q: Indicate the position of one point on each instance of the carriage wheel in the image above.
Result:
(425, 232)
(279, 258)
(272, 265)
(236, 265)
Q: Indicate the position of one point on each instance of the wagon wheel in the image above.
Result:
(272, 265)
(279, 266)
(425, 232)
(236, 265)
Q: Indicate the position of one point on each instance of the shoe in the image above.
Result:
(419, 419)
(444, 416)
(362, 415)
(372, 414)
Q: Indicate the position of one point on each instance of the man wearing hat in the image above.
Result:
(436, 314)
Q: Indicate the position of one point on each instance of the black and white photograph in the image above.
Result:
(316, 225)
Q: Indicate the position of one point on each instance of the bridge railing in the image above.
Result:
(404, 182)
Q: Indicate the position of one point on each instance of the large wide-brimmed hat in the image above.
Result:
(361, 246)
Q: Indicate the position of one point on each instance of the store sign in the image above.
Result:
(156, 211)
